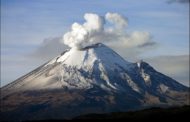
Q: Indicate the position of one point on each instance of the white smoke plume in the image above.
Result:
(119, 21)
(93, 30)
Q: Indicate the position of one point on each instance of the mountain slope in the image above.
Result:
(91, 80)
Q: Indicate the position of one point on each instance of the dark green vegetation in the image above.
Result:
(174, 113)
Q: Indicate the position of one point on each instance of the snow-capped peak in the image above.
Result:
(92, 78)
(95, 65)
(88, 55)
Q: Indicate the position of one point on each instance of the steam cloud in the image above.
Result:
(104, 29)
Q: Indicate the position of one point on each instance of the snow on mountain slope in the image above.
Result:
(92, 77)
(69, 69)
(96, 64)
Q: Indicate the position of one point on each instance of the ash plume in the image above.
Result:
(104, 29)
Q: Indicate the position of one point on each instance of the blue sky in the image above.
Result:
(25, 24)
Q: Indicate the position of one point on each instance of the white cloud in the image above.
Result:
(94, 31)
(86, 34)
(116, 19)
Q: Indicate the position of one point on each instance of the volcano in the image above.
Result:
(94, 79)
